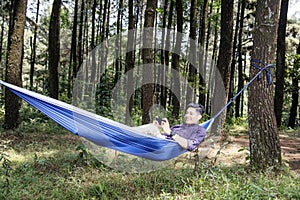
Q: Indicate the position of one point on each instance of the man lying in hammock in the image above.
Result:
(188, 135)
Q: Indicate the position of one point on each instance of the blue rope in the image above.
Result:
(257, 76)
(264, 68)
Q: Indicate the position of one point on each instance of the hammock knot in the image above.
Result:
(257, 65)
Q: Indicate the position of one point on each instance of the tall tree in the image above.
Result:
(263, 135)
(225, 55)
(166, 52)
(233, 62)
(118, 43)
(202, 62)
(73, 58)
(192, 69)
(33, 46)
(14, 63)
(54, 48)
(148, 56)
(295, 89)
(163, 97)
(175, 61)
(280, 61)
(130, 62)
(240, 60)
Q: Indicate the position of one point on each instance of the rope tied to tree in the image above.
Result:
(257, 76)
(264, 68)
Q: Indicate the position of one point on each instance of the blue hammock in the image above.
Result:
(108, 133)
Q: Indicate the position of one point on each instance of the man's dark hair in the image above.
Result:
(199, 108)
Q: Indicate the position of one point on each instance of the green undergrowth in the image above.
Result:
(48, 163)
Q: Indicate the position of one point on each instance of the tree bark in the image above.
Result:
(54, 49)
(264, 139)
(73, 54)
(148, 56)
(230, 109)
(14, 63)
(166, 52)
(280, 62)
(202, 61)
(240, 61)
(192, 69)
(175, 62)
(224, 58)
(130, 63)
(295, 91)
(33, 53)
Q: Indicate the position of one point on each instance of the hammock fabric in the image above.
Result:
(100, 130)
(108, 133)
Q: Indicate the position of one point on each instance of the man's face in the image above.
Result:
(192, 116)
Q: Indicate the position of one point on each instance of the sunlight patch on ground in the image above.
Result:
(17, 157)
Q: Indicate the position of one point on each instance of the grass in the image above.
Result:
(46, 163)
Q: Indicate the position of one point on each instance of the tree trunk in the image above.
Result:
(73, 54)
(295, 91)
(206, 57)
(14, 63)
(202, 61)
(230, 109)
(1, 50)
(130, 63)
(93, 44)
(54, 49)
(162, 95)
(224, 59)
(192, 68)
(33, 53)
(148, 56)
(118, 44)
(238, 101)
(166, 52)
(175, 62)
(80, 36)
(280, 62)
(1, 38)
(264, 140)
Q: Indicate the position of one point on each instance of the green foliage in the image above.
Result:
(104, 93)
(5, 171)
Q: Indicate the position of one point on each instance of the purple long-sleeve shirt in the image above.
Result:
(194, 134)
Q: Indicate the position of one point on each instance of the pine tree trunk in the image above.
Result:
(176, 89)
(162, 94)
(14, 63)
(130, 63)
(230, 109)
(240, 61)
(33, 53)
(280, 62)
(167, 53)
(54, 49)
(192, 68)
(118, 43)
(202, 62)
(80, 36)
(263, 135)
(295, 91)
(148, 58)
(224, 59)
(73, 58)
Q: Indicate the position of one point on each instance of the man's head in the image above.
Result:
(193, 113)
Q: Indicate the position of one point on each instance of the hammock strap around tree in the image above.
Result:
(265, 68)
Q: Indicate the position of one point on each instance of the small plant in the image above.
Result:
(6, 165)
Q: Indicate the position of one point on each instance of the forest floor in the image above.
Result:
(236, 150)
(49, 163)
